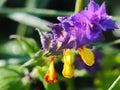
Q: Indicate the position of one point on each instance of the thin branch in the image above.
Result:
(114, 83)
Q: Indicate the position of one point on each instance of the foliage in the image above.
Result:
(22, 62)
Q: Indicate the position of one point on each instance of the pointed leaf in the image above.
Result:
(11, 78)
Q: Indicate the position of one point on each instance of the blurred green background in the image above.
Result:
(21, 17)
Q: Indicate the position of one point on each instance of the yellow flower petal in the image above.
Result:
(68, 71)
(87, 56)
(68, 57)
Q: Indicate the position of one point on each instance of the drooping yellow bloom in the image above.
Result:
(68, 71)
(51, 74)
(87, 56)
(68, 59)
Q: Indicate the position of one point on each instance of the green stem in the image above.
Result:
(78, 5)
(35, 11)
(21, 29)
(115, 42)
(114, 83)
(70, 85)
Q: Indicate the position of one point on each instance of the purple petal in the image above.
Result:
(108, 24)
(92, 6)
(102, 9)
(62, 18)
(54, 48)
(56, 29)
(46, 40)
(96, 35)
(69, 42)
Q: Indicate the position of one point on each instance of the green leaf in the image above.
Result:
(30, 20)
(12, 78)
(48, 86)
(29, 45)
(35, 61)
(38, 59)
(11, 48)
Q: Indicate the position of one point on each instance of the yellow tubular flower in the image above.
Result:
(51, 74)
(68, 71)
(68, 59)
(87, 56)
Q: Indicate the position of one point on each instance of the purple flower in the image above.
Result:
(88, 25)
(91, 69)
(82, 28)
(78, 31)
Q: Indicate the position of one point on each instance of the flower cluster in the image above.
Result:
(76, 32)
